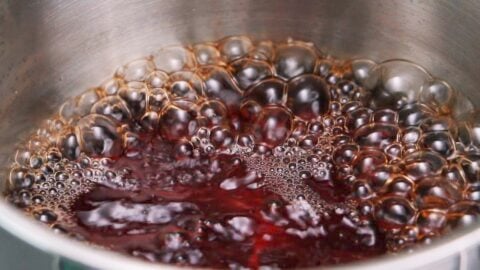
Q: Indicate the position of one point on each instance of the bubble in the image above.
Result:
(130, 142)
(308, 142)
(35, 162)
(362, 189)
(249, 72)
(462, 106)
(175, 58)
(367, 161)
(472, 193)
(176, 123)
(21, 178)
(58, 229)
(362, 70)
(422, 164)
(463, 214)
(183, 149)
(455, 175)
(219, 85)
(345, 154)
(439, 95)
(299, 128)
(61, 176)
(149, 121)
(394, 212)
(215, 112)
(98, 136)
(387, 116)
(308, 97)
(411, 135)
(315, 127)
(250, 110)
(396, 83)
(400, 185)
(414, 114)
(206, 54)
(45, 216)
(186, 85)
(464, 135)
(431, 221)
(137, 70)
(440, 142)
(135, 96)
(235, 47)
(292, 60)
(68, 145)
(112, 106)
(347, 88)
(46, 170)
(269, 91)
(469, 130)
(111, 86)
(357, 118)
(324, 67)
(436, 192)
(68, 111)
(38, 199)
(376, 135)
(54, 156)
(245, 140)
(351, 106)
(157, 99)
(263, 51)
(439, 124)
(86, 100)
(221, 137)
(394, 151)
(23, 156)
(273, 125)
(470, 165)
(156, 79)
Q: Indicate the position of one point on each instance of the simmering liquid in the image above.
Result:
(236, 154)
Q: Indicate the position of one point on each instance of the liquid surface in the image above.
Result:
(241, 153)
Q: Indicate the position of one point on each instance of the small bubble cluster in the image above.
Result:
(273, 148)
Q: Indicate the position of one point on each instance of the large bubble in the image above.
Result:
(396, 83)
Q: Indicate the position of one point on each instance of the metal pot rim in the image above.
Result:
(39, 236)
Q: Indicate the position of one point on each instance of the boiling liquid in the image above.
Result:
(241, 154)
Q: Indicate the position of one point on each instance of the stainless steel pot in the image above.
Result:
(50, 50)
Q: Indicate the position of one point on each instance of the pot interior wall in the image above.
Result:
(51, 50)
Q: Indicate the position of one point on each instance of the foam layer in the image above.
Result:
(292, 156)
